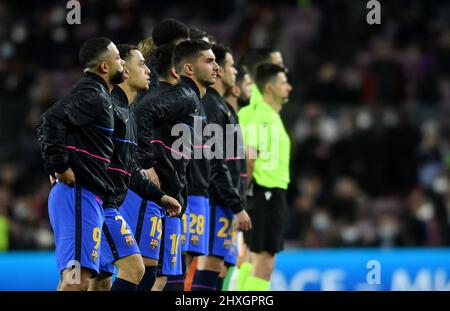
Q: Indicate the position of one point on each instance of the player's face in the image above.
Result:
(246, 88)
(281, 88)
(206, 68)
(229, 71)
(138, 71)
(115, 64)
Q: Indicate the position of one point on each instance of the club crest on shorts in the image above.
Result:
(129, 240)
(226, 244)
(94, 255)
(194, 239)
(173, 262)
(154, 244)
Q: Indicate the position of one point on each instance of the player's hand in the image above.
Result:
(68, 177)
(170, 205)
(52, 180)
(151, 174)
(243, 221)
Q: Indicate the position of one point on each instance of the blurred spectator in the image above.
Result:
(422, 228)
(386, 76)
(325, 87)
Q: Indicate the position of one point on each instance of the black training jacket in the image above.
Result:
(238, 168)
(156, 114)
(123, 170)
(199, 169)
(225, 182)
(76, 132)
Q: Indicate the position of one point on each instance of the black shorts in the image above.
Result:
(266, 208)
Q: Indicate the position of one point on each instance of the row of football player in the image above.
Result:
(121, 191)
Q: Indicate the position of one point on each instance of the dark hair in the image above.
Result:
(255, 57)
(91, 49)
(195, 33)
(266, 72)
(187, 49)
(161, 60)
(220, 51)
(241, 72)
(168, 30)
(125, 50)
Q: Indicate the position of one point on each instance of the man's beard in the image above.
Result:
(117, 78)
(242, 102)
(207, 82)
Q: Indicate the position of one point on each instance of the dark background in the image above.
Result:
(368, 115)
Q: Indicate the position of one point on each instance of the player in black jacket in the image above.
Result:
(75, 138)
(193, 60)
(118, 242)
(236, 97)
(225, 201)
(152, 111)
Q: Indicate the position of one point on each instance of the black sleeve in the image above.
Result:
(243, 183)
(144, 187)
(221, 177)
(145, 126)
(153, 112)
(73, 111)
(220, 174)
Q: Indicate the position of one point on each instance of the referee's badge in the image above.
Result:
(268, 195)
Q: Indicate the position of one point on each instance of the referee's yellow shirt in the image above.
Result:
(264, 131)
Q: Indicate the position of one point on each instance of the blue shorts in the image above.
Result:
(185, 222)
(231, 258)
(77, 216)
(145, 220)
(199, 224)
(170, 255)
(117, 240)
(221, 231)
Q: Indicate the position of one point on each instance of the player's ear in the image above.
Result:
(189, 69)
(268, 88)
(220, 72)
(103, 67)
(174, 73)
(236, 91)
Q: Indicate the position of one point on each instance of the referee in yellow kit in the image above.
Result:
(268, 167)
